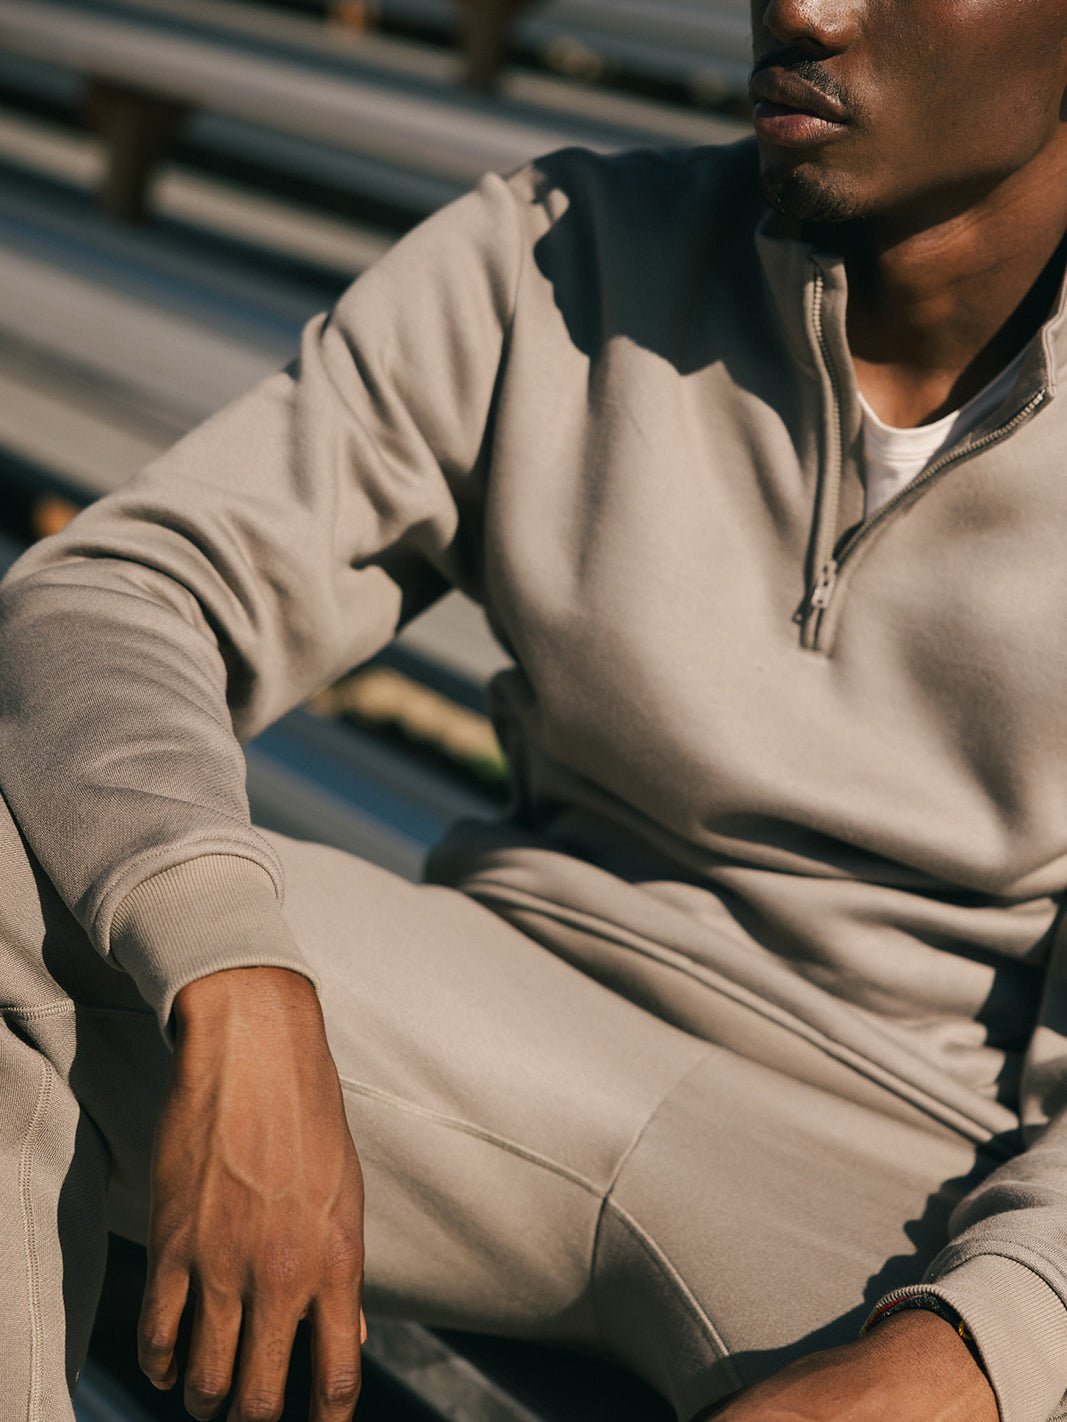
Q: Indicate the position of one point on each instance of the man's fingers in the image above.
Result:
(266, 1349)
(212, 1350)
(337, 1328)
(157, 1331)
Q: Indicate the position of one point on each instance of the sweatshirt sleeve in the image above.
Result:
(1004, 1269)
(278, 545)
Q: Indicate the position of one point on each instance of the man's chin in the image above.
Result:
(808, 196)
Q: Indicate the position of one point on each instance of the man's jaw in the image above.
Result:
(801, 112)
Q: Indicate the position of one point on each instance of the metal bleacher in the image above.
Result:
(700, 45)
(297, 155)
(360, 105)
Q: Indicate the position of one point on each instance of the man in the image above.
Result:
(746, 1025)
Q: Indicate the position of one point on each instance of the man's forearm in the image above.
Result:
(913, 1367)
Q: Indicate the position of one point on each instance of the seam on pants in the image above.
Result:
(482, 1133)
(643, 1238)
(33, 1273)
(692, 1303)
(639, 1136)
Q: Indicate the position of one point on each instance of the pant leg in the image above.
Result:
(491, 1088)
(543, 1157)
(759, 1218)
(52, 1236)
(774, 1195)
(82, 1070)
(546, 1157)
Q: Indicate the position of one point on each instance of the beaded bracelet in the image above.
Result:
(931, 1303)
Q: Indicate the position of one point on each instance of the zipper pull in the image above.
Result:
(823, 590)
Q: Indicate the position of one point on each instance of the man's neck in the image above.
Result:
(937, 310)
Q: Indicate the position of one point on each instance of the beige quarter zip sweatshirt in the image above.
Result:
(813, 762)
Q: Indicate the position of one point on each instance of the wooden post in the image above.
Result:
(486, 29)
(137, 128)
(357, 16)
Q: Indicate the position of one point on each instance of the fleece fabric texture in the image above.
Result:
(812, 760)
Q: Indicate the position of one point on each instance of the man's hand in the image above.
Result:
(257, 1203)
(913, 1367)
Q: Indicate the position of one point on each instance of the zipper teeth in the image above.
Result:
(833, 493)
(938, 467)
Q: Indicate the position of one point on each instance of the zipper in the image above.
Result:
(822, 589)
(813, 610)
(940, 464)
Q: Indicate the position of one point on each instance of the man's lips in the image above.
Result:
(790, 111)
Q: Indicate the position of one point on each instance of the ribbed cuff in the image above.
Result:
(218, 911)
(1019, 1325)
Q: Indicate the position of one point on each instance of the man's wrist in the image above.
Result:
(923, 1300)
(196, 918)
(928, 1346)
(255, 991)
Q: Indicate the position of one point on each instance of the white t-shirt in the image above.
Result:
(893, 457)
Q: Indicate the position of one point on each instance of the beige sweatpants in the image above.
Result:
(543, 1157)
